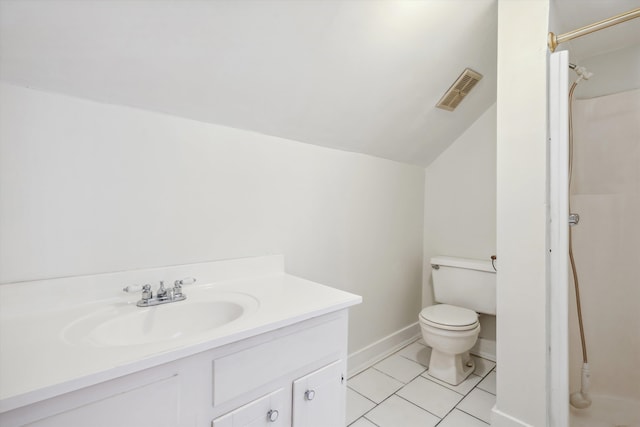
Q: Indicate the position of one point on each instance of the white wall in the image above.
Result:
(460, 203)
(606, 194)
(522, 213)
(88, 188)
(613, 72)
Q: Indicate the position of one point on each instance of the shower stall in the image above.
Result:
(605, 192)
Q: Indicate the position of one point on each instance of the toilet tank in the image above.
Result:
(464, 282)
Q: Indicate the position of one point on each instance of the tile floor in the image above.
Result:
(397, 392)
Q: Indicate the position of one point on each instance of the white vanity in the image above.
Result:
(250, 346)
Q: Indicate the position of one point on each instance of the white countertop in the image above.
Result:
(37, 362)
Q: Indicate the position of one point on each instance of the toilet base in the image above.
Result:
(452, 369)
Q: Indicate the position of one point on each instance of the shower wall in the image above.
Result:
(606, 194)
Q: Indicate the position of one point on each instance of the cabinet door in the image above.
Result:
(267, 411)
(319, 398)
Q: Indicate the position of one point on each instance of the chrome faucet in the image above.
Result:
(163, 295)
(177, 285)
(162, 291)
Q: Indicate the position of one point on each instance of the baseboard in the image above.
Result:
(500, 419)
(485, 348)
(373, 353)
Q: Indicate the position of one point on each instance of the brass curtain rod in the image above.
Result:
(554, 40)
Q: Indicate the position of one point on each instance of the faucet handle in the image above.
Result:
(147, 294)
(177, 285)
(132, 288)
(185, 281)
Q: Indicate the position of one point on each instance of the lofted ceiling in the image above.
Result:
(361, 76)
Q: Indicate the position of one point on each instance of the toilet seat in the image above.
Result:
(449, 317)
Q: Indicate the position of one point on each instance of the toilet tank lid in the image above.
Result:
(468, 263)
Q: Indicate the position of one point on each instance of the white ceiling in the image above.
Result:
(360, 76)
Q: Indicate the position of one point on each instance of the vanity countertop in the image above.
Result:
(38, 361)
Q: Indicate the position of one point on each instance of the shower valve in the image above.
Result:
(574, 219)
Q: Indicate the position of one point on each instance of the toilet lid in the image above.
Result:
(449, 316)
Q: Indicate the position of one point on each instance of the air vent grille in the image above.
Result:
(459, 89)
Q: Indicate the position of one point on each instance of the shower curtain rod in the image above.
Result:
(554, 40)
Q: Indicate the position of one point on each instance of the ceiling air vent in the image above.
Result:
(459, 90)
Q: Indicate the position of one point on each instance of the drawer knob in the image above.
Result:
(309, 394)
(272, 415)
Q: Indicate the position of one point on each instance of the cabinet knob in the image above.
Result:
(272, 415)
(309, 394)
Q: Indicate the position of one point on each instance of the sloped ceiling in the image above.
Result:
(360, 76)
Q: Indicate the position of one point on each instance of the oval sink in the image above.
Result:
(171, 321)
(125, 325)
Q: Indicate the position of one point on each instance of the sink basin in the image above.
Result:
(171, 321)
(126, 325)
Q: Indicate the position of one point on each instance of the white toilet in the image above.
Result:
(464, 288)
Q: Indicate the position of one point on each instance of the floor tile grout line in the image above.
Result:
(452, 409)
(382, 372)
(464, 412)
(448, 388)
(480, 388)
(357, 392)
(471, 415)
(378, 404)
(490, 361)
(395, 392)
(427, 367)
(377, 425)
(362, 416)
(404, 384)
(384, 400)
(413, 360)
(397, 395)
(392, 394)
(483, 390)
(470, 391)
(397, 379)
(430, 378)
(486, 375)
(401, 387)
(418, 406)
(387, 375)
(392, 377)
(455, 391)
(461, 410)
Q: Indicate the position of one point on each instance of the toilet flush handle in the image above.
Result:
(435, 266)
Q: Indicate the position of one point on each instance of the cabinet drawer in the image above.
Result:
(246, 370)
(267, 411)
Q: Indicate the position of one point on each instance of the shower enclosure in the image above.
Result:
(605, 192)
